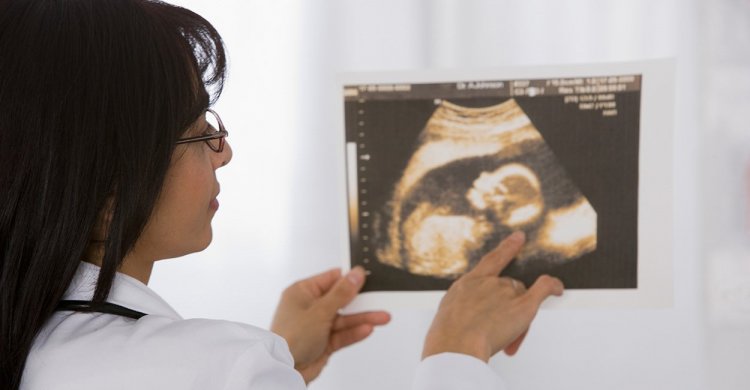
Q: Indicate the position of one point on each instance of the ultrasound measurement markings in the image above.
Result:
(363, 159)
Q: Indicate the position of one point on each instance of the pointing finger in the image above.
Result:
(494, 262)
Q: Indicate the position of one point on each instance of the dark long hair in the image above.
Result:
(93, 95)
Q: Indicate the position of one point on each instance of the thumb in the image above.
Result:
(513, 347)
(343, 292)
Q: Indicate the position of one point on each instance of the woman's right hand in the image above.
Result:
(482, 313)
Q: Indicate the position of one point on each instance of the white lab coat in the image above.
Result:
(93, 351)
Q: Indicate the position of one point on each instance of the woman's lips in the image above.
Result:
(214, 205)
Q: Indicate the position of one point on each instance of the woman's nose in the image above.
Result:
(226, 155)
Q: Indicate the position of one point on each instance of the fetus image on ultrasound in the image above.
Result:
(475, 176)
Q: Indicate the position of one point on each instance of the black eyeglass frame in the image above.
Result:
(220, 135)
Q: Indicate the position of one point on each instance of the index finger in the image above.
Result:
(499, 258)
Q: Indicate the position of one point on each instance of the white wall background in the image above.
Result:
(278, 194)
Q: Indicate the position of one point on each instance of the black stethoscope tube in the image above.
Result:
(98, 307)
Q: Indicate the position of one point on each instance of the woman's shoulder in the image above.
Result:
(155, 328)
(152, 351)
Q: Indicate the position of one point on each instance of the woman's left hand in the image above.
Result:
(308, 318)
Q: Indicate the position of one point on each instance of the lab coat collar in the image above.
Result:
(126, 291)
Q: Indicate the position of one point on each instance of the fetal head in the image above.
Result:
(512, 192)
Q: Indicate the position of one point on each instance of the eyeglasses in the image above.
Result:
(214, 140)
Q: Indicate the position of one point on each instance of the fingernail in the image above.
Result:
(356, 276)
(518, 236)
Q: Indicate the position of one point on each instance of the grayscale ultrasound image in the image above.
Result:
(441, 180)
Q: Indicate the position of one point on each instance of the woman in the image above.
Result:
(108, 153)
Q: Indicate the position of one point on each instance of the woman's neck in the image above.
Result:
(133, 265)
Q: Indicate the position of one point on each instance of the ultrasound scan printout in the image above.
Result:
(439, 173)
